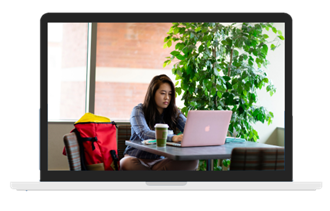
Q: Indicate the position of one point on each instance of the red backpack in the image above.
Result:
(97, 142)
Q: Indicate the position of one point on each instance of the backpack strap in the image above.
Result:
(90, 139)
(114, 124)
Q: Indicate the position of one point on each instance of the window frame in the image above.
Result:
(91, 67)
(90, 75)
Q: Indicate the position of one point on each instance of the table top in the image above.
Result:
(196, 153)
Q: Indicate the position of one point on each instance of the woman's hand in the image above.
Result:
(177, 138)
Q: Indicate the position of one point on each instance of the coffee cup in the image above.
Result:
(161, 134)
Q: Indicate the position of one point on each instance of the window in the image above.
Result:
(67, 59)
(128, 56)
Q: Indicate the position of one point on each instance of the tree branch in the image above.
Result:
(215, 84)
(231, 60)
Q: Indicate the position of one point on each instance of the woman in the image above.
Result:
(158, 107)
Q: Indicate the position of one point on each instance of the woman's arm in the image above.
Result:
(140, 126)
(180, 124)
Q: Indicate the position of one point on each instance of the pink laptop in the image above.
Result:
(205, 128)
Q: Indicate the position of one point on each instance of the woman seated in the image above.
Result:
(158, 107)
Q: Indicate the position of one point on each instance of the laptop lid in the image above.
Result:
(206, 128)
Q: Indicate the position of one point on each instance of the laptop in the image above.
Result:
(205, 128)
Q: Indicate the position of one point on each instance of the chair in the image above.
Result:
(124, 133)
(72, 151)
(256, 159)
(74, 157)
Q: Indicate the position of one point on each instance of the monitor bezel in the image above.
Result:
(45, 175)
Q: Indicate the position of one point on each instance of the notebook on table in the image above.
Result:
(205, 128)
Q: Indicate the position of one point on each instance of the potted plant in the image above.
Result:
(220, 67)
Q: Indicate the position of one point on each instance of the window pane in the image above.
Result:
(128, 56)
(67, 56)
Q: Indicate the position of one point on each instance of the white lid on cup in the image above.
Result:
(158, 125)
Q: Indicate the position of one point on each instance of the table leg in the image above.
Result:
(208, 165)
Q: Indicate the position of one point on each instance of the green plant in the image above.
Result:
(220, 68)
(202, 165)
(216, 166)
(226, 162)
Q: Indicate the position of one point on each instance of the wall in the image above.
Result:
(56, 131)
(275, 103)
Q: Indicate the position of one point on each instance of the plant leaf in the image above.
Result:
(178, 90)
(274, 30)
(265, 49)
(255, 52)
(169, 43)
(200, 48)
(216, 71)
(255, 138)
(213, 91)
(192, 35)
(176, 30)
(166, 38)
(178, 45)
(254, 43)
(273, 47)
(227, 78)
(191, 89)
(179, 73)
(174, 53)
(165, 63)
(180, 57)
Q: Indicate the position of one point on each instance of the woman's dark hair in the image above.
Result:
(171, 113)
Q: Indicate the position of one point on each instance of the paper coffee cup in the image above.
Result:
(161, 134)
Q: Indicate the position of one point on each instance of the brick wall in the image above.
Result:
(135, 45)
(119, 45)
(116, 100)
